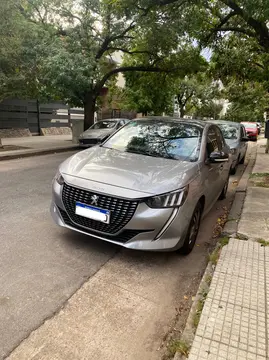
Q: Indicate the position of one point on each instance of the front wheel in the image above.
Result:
(224, 190)
(193, 230)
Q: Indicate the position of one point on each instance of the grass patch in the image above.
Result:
(263, 242)
(200, 304)
(224, 241)
(179, 346)
(254, 175)
(241, 237)
(260, 180)
(214, 256)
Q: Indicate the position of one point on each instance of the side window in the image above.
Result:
(122, 122)
(220, 139)
(212, 142)
(242, 132)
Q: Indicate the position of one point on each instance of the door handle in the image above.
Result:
(221, 167)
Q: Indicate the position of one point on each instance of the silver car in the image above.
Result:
(147, 186)
(100, 131)
(236, 137)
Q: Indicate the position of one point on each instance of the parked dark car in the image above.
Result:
(100, 131)
(236, 137)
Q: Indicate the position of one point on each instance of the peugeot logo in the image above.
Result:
(94, 199)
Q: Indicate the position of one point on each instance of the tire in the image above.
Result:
(193, 230)
(233, 170)
(224, 190)
(242, 161)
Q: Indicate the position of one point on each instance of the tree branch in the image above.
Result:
(235, 29)
(109, 39)
(142, 68)
(260, 28)
(115, 48)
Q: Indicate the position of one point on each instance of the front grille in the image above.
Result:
(121, 210)
(89, 141)
(123, 237)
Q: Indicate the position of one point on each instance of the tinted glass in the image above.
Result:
(104, 125)
(229, 131)
(212, 144)
(159, 138)
(250, 126)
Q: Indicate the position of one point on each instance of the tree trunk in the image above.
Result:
(182, 110)
(89, 110)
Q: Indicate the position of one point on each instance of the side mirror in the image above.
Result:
(244, 139)
(218, 156)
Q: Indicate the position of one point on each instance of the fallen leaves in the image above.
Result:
(220, 223)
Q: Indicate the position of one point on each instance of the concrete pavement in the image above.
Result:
(235, 317)
(37, 145)
(128, 302)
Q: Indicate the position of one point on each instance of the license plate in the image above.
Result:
(92, 212)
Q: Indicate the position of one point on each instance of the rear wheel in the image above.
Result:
(224, 190)
(233, 170)
(193, 230)
(242, 161)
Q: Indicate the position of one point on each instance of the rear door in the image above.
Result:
(243, 144)
(215, 172)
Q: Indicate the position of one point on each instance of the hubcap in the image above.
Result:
(194, 226)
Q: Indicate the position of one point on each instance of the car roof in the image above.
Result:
(200, 123)
(116, 119)
(224, 122)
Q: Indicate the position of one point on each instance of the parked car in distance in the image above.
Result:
(100, 131)
(236, 137)
(259, 127)
(147, 186)
(252, 130)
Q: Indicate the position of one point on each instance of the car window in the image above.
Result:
(242, 132)
(229, 132)
(122, 122)
(212, 142)
(104, 125)
(168, 139)
(250, 125)
(220, 138)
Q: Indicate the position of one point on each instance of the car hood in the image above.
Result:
(232, 143)
(136, 172)
(96, 133)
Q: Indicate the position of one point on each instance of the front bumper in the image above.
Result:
(148, 229)
(86, 143)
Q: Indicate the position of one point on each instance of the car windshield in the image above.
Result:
(167, 139)
(250, 126)
(104, 125)
(229, 131)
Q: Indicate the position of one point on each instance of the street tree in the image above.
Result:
(84, 36)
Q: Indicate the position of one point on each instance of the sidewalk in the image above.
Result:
(235, 317)
(36, 145)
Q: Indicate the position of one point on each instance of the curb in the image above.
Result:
(36, 152)
(189, 330)
(230, 228)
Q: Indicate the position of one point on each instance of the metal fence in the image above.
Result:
(32, 115)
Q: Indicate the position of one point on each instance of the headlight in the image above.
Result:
(59, 178)
(233, 151)
(169, 200)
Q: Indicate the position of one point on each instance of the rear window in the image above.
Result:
(229, 131)
(250, 126)
(159, 138)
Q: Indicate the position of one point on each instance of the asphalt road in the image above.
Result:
(42, 265)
